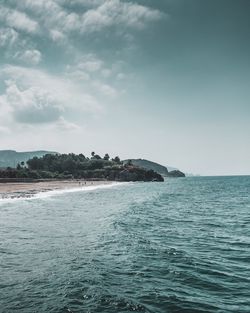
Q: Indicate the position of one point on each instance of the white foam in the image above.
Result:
(51, 193)
(45, 194)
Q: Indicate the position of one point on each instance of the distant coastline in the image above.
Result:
(41, 164)
(73, 166)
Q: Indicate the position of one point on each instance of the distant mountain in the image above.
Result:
(161, 169)
(11, 157)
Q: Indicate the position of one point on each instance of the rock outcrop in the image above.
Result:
(133, 173)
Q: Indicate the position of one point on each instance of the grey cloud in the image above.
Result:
(32, 105)
(35, 115)
(30, 85)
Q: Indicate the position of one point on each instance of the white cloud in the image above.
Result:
(77, 74)
(8, 36)
(4, 130)
(106, 13)
(86, 66)
(90, 66)
(16, 47)
(98, 15)
(90, 63)
(34, 92)
(95, 74)
(121, 76)
(56, 35)
(32, 105)
(106, 73)
(118, 13)
(28, 108)
(52, 17)
(65, 125)
(18, 20)
(105, 89)
(32, 57)
(85, 3)
(38, 6)
(6, 114)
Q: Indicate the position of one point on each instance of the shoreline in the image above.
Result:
(15, 190)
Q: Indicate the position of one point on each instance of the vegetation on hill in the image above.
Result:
(69, 166)
(149, 165)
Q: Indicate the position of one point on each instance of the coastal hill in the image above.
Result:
(161, 169)
(25, 162)
(73, 166)
(11, 157)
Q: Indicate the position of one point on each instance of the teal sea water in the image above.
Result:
(178, 246)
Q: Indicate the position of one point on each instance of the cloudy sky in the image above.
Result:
(166, 80)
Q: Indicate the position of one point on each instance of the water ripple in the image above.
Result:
(179, 246)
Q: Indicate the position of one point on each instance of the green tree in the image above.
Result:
(129, 163)
(106, 157)
(117, 160)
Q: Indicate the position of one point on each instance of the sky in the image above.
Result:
(164, 80)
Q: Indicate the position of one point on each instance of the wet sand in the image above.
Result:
(20, 190)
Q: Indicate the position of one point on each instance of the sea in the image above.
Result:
(178, 246)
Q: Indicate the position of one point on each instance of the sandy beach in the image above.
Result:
(20, 189)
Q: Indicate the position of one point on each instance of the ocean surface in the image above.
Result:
(178, 246)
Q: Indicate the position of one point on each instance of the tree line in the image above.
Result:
(73, 166)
